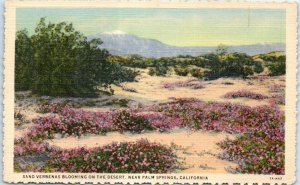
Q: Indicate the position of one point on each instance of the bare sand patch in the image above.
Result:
(150, 90)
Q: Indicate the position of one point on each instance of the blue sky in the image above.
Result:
(181, 27)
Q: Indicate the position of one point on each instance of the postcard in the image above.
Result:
(149, 92)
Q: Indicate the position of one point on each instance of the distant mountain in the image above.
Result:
(121, 43)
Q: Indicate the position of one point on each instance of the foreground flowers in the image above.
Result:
(258, 150)
(125, 157)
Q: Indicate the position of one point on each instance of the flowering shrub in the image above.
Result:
(189, 83)
(258, 150)
(278, 96)
(52, 107)
(129, 89)
(245, 94)
(71, 122)
(276, 88)
(127, 121)
(256, 153)
(26, 145)
(229, 117)
(278, 99)
(125, 157)
(160, 121)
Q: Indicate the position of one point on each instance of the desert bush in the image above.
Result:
(119, 74)
(125, 157)
(277, 67)
(245, 94)
(197, 73)
(159, 68)
(151, 71)
(181, 71)
(276, 63)
(237, 65)
(258, 68)
(126, 121)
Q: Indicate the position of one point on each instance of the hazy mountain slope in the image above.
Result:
(121, 43)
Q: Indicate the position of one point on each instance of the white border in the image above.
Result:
(290, 129)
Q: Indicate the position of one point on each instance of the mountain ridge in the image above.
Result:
(121, 43)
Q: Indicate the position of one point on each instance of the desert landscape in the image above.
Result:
(146, 102)
(197, 150)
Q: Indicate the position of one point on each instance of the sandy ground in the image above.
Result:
(197, 150)
(150, 90)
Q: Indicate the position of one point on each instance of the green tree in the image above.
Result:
(64, 63)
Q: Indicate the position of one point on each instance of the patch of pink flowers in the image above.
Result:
(278, 94)
(258, 150)
(52, 107)
(276, 88)
(278, 99)
(25, 146)
(125, 157)
(72, 122)
(245, 94)
(189, 83)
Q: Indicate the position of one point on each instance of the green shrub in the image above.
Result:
(258, 68)
(277, 67)
(196, 73)
(158, 70)
(181, 71)
(151, 71)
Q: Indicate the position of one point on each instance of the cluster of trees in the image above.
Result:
(208, 66)
(137, 61)
(57, 60)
